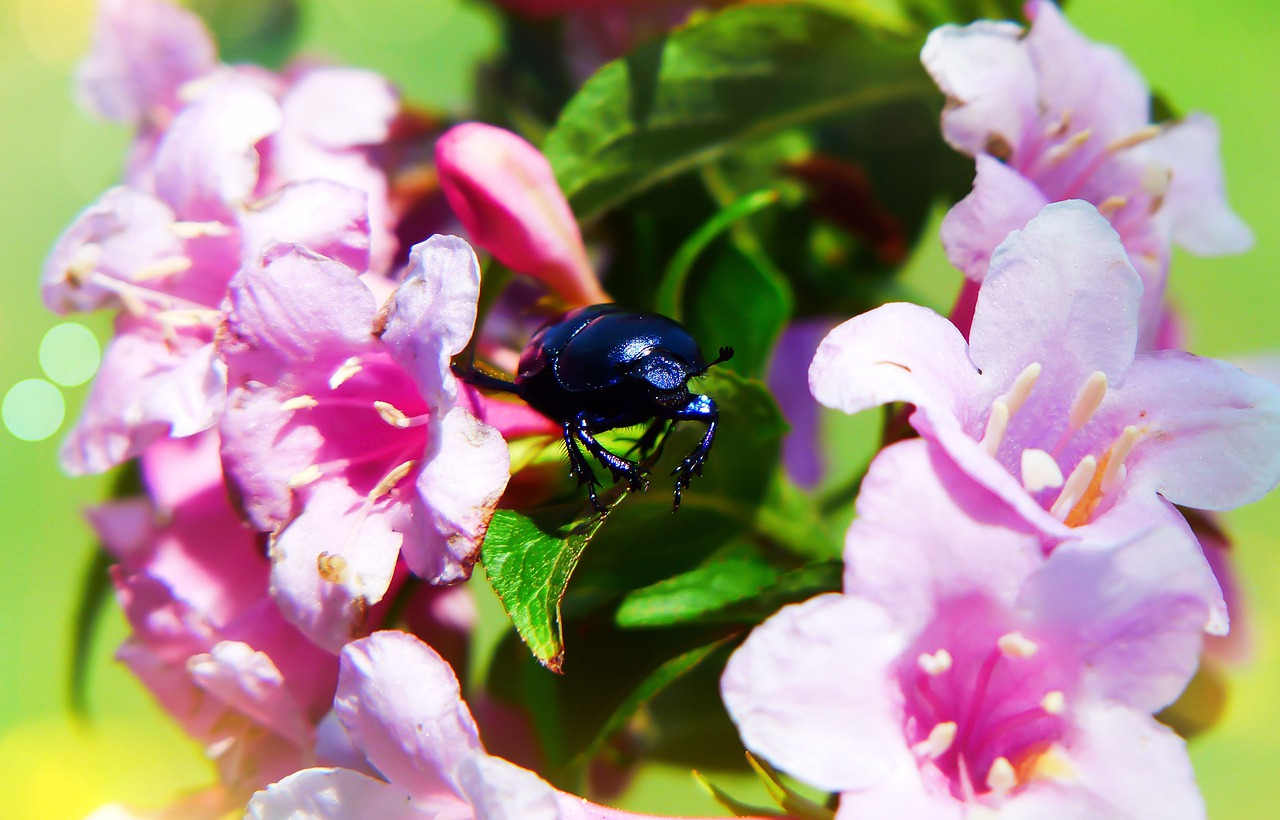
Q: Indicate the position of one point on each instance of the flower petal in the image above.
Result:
(1002, 201)
(331, 794)
(812, 691)
(402, 705)
(327, 218)
(1203, 222)
(143, 52)
(249, 682)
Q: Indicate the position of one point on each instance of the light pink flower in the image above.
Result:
(238, 159)
(343, 434)
(506, 196)
(1050, 116)
(962, 670)
(207, 639)
(1048, 405)
(401, 706)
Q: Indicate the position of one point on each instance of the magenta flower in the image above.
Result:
(237, 159)
(506, 197)
(343, 435)
(1048, 405)
(401, 706)
(1050, 116)
(963, 671)
(207, 639)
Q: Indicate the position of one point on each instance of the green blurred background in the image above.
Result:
(54, 161)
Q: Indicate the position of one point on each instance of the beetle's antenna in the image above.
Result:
(478, 378)
(726, 353)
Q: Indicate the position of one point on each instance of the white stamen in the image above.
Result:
(304, 477)
(1088, 400)
(1115, 461)
(1110, 206)
(1136, 138)
(939, 740)
(1066, 148)
(393, 477)
(161, 267)
(345, 371)
(997, 424)
(299, 403)
(1074, 488)
(1155, 180)
(1039, 470)
(1055, 703)
(194, 230)
(935, 664)
(189, 317)
(1057, 129)
(1001, 777)
(1021, 388)
(1016, 645)
(390, 413)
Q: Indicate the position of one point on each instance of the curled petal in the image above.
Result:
(466, 470)
(505, 193)
(250, 683)
(331, 794)
(1196, 201)
(327, 218)
(1002, 201)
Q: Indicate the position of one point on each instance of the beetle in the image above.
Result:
(603, 367)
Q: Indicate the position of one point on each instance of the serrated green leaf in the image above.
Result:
(735, 76)
(529, 561)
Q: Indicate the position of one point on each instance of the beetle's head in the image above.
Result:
(665, 374)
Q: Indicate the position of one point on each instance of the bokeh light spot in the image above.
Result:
(69, 354)
(33, 410)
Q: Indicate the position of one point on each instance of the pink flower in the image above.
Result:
(1050, 116)
(237, 159)
(961, 670)
(506, 196)
(343, 435)
(1048, 405)
(401, 706)
(207, 639)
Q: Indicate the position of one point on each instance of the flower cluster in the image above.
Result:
(1029, 577)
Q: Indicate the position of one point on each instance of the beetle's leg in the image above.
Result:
(579, 468)
(620, 467)
(481, 379)
(699, 408)
(653, 434)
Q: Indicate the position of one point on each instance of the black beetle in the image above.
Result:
(602, 367)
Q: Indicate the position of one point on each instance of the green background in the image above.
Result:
(54, 161)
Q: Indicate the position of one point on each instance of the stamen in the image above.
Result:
(940, 738)
(161, 267)
(1155, 180)
(1110, 206)
(1057, 129)
(1074, 488)
(1115, 470)
(396, 418)
(304, 477)
(1064, 149)
(299, 403)
(997, 424)
(1088, 400)
(1054, 703)
(1039, 470)
(1021, 388)
(195, 230)
(935, 664)
(189, 317)
(345, 371)
(1016, 645)
(1136, 138)
(1001, 777)
(392, 478)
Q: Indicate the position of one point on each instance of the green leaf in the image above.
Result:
(741, 587)
(741, 301)
(528, 562)
(95, 592)
(738, 75)
(670, 300)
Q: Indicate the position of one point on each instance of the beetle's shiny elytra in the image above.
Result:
(602, 367)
